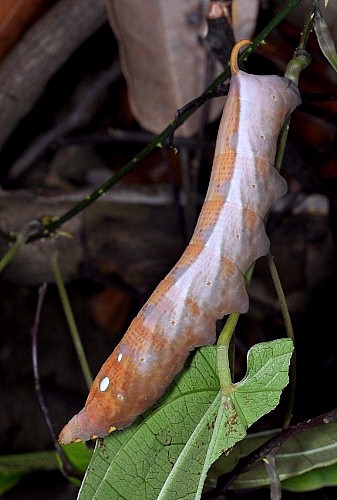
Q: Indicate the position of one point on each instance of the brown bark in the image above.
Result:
(40, 53)
(15, 18)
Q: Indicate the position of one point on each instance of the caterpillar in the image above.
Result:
(208, 280)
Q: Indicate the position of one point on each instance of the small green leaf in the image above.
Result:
(79, 455)
(267, 375)
(325, 39)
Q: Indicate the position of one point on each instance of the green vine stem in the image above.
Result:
(70, 319)
(224, 342)
(225, 377)
(290, 334)
(167, 133)
(299, 62)
(21, 239)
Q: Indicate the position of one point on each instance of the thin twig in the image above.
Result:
(21, 238)
(68, 469)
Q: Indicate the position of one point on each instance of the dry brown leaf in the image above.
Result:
(162, 59)
(244, 13)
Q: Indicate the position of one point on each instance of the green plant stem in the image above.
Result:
(227, 331)
(224, 371)
(290, 334)
(224, 341)
(53, 225)
(307, 28)
(300, 61)
(12, 251)
(71, 320)
(281, 297)
(21, 238)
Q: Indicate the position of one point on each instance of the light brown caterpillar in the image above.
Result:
(208, 280)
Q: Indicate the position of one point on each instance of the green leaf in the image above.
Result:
(168, 454)
(14, 467)
(28, 462)
(79, 456)
(325, 39)
(8, 481)
(312, 450)
(305, 452)
(313, 480)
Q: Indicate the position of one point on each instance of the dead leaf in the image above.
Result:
(162, 59)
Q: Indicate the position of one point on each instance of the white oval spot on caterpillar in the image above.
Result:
(208, 283)
(237, 236)
(120, 397)
(119, 357)
(173, 322)
(104, 384)
(253, 186)
(140, 358)
(262, 137)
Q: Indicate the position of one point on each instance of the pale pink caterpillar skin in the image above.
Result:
(208, 280)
